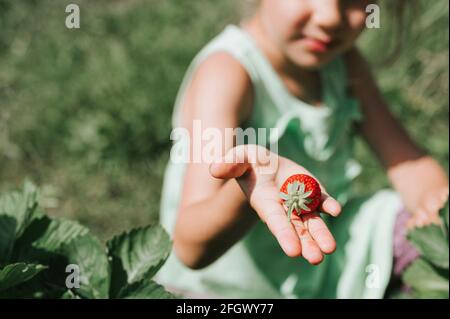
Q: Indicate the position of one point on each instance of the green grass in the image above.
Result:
(86, 113)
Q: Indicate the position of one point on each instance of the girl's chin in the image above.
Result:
(310, 60)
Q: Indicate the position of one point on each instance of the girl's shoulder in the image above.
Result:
(232, 39)
(218, 80)
(220, 84)
(222, 75)
(231, 46)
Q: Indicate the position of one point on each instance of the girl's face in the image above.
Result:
(310, 33)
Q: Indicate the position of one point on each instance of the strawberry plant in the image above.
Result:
(428, 277)
(36, 250)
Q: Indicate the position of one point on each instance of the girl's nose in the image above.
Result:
(328, 14)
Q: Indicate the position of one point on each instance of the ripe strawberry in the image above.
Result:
(300, 194)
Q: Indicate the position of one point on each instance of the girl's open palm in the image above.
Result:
(260, 174)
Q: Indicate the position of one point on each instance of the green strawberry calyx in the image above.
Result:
(296, 198)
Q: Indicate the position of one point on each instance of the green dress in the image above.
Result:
(320, 139)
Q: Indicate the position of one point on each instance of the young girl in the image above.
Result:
(292, 66)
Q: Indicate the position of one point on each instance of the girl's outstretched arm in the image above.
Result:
(213, 214)
(221, 202)
(418, 178)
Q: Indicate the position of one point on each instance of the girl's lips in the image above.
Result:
(317, 45)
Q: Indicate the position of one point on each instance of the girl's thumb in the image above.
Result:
(234, 164)
(240, 158)
(225, 170)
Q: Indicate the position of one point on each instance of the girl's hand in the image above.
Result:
(260, 174)
(421, 182)
(424, 188)
(430, 202)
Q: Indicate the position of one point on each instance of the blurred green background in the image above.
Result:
(85, 113)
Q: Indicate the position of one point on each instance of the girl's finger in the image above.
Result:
(320, 233)
(411, 223)
(420, 218)
(329, 205)
(273, 214)
(310, 250)
(431, 217)
(433, 205)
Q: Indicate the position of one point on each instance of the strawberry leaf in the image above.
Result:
(432, 244)
(425, 280)
(20, 206)
(14, 274)
(137, 255)
(58, 233)
(7, 237)
(90, 256)
(145, 289)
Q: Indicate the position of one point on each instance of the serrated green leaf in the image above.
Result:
(20, 206)
(137, 255)
(432, 244)
(425, 280)
(89, 255)
(400, 295)
(58, 233)
(69, 295)
(7, 237)
(145, 289)
(37, 214)
(14, 274)
(430, 294)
